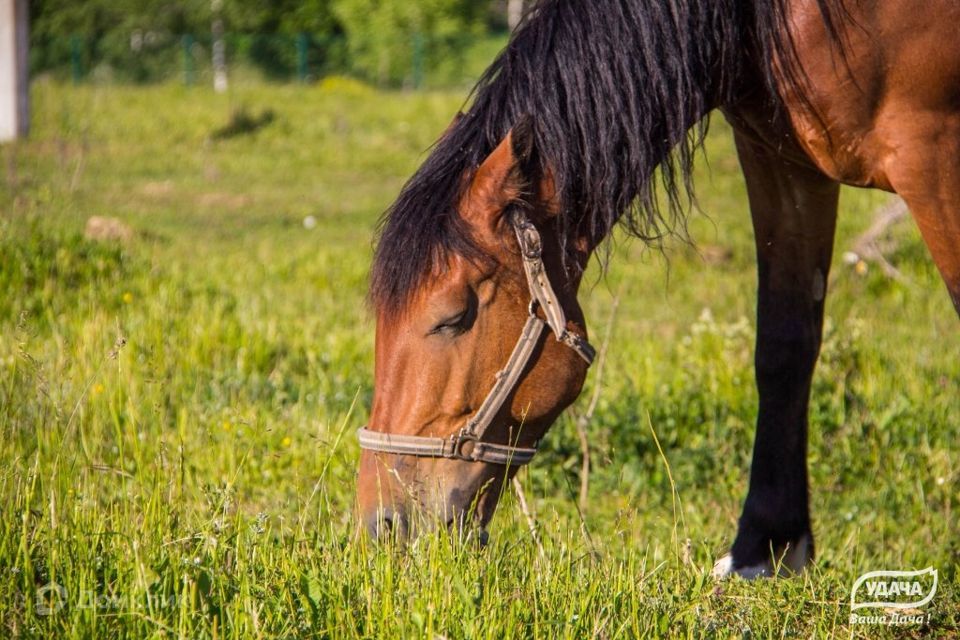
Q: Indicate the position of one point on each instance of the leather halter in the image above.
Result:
(468, 443)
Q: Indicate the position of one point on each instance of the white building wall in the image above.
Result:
(14, 85)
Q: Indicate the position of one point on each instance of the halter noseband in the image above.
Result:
(467, 443)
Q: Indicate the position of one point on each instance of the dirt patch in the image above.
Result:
(106, 229)
(715, 255)
(222, 200)
(157, 189)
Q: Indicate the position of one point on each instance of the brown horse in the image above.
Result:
(590, 118)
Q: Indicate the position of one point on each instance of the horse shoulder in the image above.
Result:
(898, 67)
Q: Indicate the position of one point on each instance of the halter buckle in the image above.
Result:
(528, 238)
(461, 446)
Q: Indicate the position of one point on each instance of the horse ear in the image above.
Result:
(523, 137)
(503, 178)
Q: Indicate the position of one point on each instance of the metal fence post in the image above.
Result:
(417, 60)
(188, 59)
(303, 43)
(75, 70)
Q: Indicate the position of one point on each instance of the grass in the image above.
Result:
(177, 412)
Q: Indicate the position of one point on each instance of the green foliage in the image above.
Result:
(392, 40)
(285, 16)
(46, 272)
(130, 39)
(387, 41)
(177, 412)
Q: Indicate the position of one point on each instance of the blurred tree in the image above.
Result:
(387, 41)
(390, 40)
(218, 47)
(273, 29)
(134, 38)
(280, 16)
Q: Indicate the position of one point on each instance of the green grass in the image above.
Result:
(177, 412)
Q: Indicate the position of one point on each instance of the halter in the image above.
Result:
(468, 443)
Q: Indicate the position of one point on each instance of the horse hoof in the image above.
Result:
(791, 560)
(724, 568)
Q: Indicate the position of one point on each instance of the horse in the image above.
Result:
(590, 118)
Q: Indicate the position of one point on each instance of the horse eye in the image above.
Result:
(453, 325)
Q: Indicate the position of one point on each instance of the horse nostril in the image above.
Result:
(379, 525)
(384, 524)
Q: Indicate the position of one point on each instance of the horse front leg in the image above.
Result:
(794, 211)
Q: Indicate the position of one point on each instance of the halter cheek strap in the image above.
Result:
(467, 443)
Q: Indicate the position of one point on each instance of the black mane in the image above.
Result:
(617, 89)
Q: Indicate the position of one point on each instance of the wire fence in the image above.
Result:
(301, 57)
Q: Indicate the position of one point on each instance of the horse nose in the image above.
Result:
(382, 524)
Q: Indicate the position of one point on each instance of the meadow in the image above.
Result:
(177, 410)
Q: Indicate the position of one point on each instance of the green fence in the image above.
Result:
(300, 57)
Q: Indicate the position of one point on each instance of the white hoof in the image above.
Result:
(792, 560)
(723, 567)
(797, 556)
